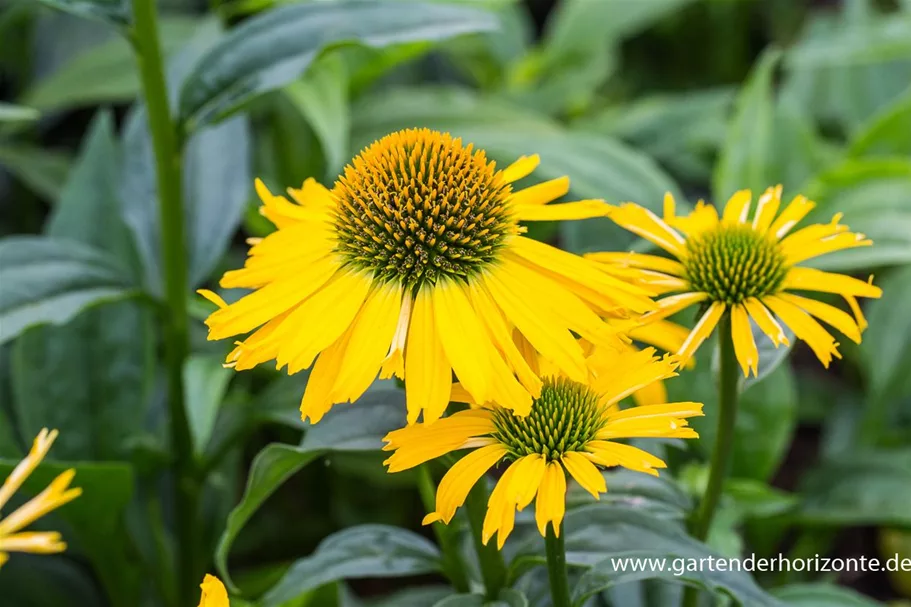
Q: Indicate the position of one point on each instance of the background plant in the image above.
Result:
(630, 99)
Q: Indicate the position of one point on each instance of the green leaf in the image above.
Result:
(322, 97)
(601, 536)
(886, 347)
(17, 113)
(359, 427)
(95, 519)
(44, 171)
(217, 181)
(888, 133)
(51, 281)
(822, 595)
(580, 25)
(744, 159)
(39, 580)
(873, 194)
(859, 488)
(101, 361)
(659, 496)
(683, 131)
(272, 49)
(877, 40)
(374, 551)
(105, 73)
(115, 12)
(205, 383)
(420, 596)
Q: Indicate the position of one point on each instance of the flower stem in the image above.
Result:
(493, 568)
(168, 161)
(556, 567)
(446, 536)
(728, 393)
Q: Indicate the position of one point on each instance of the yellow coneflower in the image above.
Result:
(58, 493)
(745, 266)
(570, 430)
(213, 593)
(414, 265)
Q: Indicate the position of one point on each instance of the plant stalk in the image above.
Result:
(168, 163)
(493, 567)
(556, 567)
(446, 536)
(728, 393)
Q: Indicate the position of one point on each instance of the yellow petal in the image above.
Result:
(766, 321)
(371, 334)
(428, 372)
(501, 509)
(54, 496)
(213, 593)
(213, 297)
(793, 213)
(523, 167)
(646, 224)
(804, 327)
(541, 193)
(744, 345)
(766, 208)
(810, 279)
(640, 260)
(651, 394)
(459, 480)
(738, 207)
(317, 399)
(418, 443)
(826, 313)
(585, 473)
(35, 542)
(40, 446)
(668, 306)
(582, 209)
(608, 454)
(320, 320)
(466, 345)
(550, 504)
(702, 330)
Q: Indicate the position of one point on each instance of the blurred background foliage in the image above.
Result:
(630, 98)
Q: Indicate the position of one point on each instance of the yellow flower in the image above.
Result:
(213, 593)
(571, 429)
(414, 265)
(58, 493)
(746, 266)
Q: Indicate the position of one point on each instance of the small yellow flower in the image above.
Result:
(414, 265)
(213, 593)
(746, 266)
(571, 429)
(58, 493)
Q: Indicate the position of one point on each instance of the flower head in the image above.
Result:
(746, 266)
(571, 429)
(414, 265)
(213, 593)
(58, 493)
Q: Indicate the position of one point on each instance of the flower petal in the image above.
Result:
(585, 473)
(744, 344)
(550, 505)
(459, 480)
(702, 330)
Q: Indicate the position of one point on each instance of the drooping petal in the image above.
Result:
(646, 224)
(744, 344)
(702, 330)
(810, 279)
(550, 504)
(428, 371)
(585, 473)
(766, 321)
(458, 481)
(668, 306)
(804, 327)
(606, 453)
(826, 313)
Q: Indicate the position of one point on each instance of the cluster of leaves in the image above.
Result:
(292, 90)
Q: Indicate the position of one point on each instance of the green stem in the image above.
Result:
(446, 536)
(168, 161)
(728, 392)
(493, 567)
(556, 567)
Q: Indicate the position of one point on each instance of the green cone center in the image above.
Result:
(564, 418)
(733, 263)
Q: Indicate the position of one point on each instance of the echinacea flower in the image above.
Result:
(746, 265)
(571, 429)
(58, 493)
(213, 593)
(414, 265)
